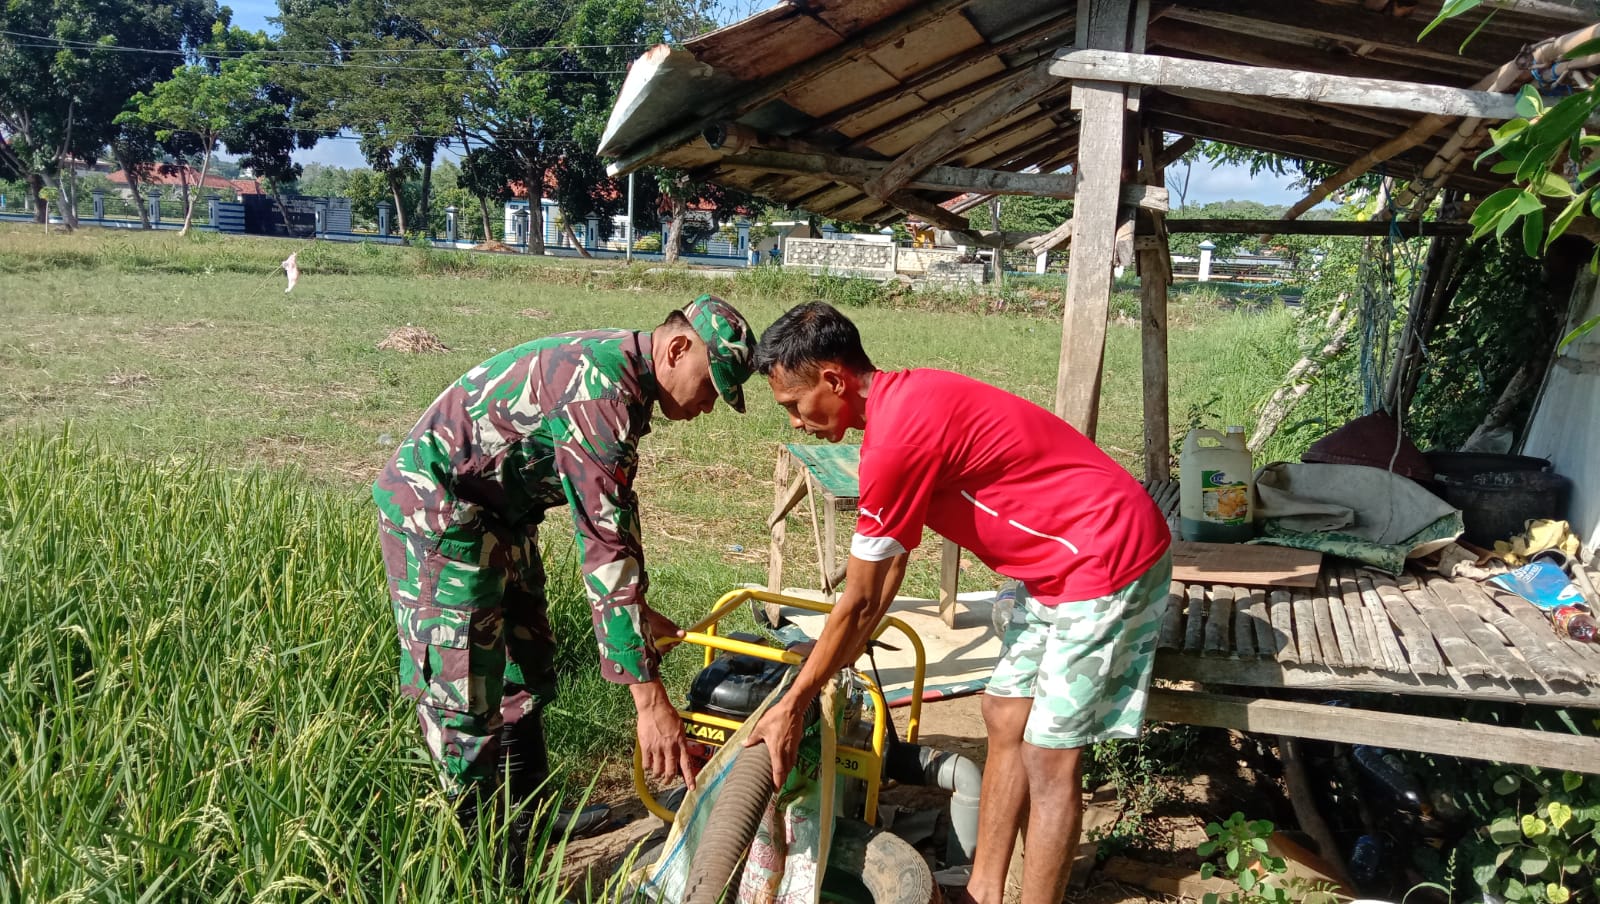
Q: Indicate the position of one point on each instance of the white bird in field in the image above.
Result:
(291, 267)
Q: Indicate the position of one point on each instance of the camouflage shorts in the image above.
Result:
(476, 648)
(1086, 665)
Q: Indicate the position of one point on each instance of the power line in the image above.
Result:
(398, 67)
(69, 44)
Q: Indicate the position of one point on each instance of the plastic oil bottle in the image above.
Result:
(1216, 490)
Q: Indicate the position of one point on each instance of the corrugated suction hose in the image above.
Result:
(740, 805)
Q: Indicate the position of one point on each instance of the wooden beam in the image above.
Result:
(1505, 78)
(1259, 122)
(1321, 24)
(887, 32)
(1317, 227)
(954, 179)
(1172, 152)
(1290, 84)
(1382, 729)
(1181, 39)
(1048, 34)
(1012, 94)
(1100, 163)
(1345, 119)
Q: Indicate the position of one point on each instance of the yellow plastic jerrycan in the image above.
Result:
(1216, 488)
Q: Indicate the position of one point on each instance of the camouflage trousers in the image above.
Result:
(1085, 664)
(477, 652)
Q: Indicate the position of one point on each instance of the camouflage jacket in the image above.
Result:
(555, 421)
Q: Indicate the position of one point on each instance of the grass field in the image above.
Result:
(199, 698)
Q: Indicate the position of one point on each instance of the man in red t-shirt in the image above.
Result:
(1037, 502)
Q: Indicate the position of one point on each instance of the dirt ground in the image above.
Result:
(1226, 773)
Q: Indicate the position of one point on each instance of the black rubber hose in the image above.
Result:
(740, 805)
(890, 868)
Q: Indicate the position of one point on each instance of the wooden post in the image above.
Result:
(949, 582)
(780, 528)
(1154, 276)
(830, 546)
(1094, 215)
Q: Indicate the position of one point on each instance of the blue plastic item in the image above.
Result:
(1542, 583)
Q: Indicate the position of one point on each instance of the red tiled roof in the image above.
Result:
(167, 174)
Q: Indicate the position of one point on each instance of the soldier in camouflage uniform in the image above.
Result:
(552, 422)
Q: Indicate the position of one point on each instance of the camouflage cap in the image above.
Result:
(730, 343)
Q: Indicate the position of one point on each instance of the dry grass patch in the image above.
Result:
(412, 340)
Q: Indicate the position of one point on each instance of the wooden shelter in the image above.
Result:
(873, 110)
(870, 111)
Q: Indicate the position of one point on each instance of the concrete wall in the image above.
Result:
(1565, 427)
(874, 260)
(917, 260)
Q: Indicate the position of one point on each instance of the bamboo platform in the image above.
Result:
(1362, 630)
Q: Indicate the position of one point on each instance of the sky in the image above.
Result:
(1206, 183)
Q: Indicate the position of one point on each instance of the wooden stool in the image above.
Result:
(833, 472)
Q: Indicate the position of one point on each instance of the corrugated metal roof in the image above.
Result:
(867, 79)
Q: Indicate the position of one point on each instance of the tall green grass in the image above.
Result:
(198, 695)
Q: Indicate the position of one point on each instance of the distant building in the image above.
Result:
(167, 176)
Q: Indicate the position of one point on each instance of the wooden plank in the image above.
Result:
(1250, 565)
(1539, 627)
(816, 533)
(1172, 152)
(1218, 621)
(1154, 276)
(1305, 629)
(1013, 92)
(1459, 652)
(1366, 633)
(1344, 725)
(1420, 649)
(1523, 640)
(1244, 623)
(1103, 130)
(1281, 606)
(1171, 666)
(1046, 33)
(1261, 619)
(1163, 879)
(836, 467)
(861, 173)
(1322, 617)
(949, 582)
(1393, 655)
(1194, 628)
(1483, 637)
(731, 108)
(787, 498)
(830, 549)
(1349, 651)
(1317, 24)
(1171, 637)
(1290, 84)
(779, 526)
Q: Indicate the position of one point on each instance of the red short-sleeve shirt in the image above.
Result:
(1030, 496)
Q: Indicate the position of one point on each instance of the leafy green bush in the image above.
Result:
(1538, 839)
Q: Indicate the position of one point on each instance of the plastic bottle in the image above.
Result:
(1576, 623)
(1216, 492)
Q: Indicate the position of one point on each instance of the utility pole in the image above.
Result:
(629, 233)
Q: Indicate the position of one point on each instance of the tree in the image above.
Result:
(487, 173)
(676, 193)
(66, 72)
(207, 104)
(545, 72)
(389, 70)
